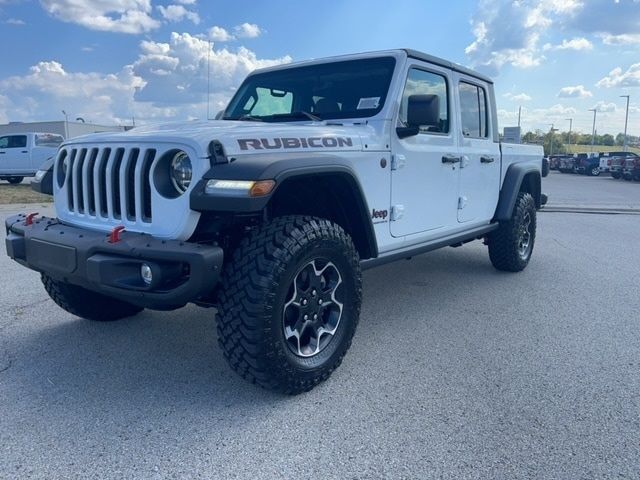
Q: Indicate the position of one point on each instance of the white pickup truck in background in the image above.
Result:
(21, 154)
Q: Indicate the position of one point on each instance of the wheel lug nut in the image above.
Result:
(319, 301)
(306, 317)
(313, 292)
(315, 316)
(304, 301)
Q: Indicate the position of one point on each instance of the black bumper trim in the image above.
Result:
(183, 271)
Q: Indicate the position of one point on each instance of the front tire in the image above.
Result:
(594, 172)
(616, 175)
(511, 245)
(15, 180)
(87, 304)
(290, 303)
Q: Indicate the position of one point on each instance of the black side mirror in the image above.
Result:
(422, 111)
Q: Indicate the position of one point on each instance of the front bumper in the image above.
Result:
(182, 272)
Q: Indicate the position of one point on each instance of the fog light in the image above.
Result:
(146, 274)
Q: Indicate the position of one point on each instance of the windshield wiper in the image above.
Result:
(297, 114)
(246, 117)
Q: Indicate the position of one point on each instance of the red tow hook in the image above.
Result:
(29, 220)
(114, 236)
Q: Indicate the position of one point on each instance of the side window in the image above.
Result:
(473, 110)
(421, 82)
(4, 142)
(269, 101)
(14, 141)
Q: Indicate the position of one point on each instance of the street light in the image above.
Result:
(626, 121)
(552, 131)
(66, 124)
(570, 129)
(593, 134)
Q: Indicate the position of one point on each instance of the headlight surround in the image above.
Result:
(181, 172)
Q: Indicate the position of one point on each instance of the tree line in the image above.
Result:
(561, 140)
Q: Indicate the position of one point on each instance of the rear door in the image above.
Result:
(14, 155)
(479, 153)
(424, 177)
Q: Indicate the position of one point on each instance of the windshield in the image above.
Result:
(348, 89)
(48, 140)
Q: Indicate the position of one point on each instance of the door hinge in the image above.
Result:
(398, 161)
(464, 161)
(462, 202)
(397, 212)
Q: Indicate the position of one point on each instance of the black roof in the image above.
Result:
(447, 64)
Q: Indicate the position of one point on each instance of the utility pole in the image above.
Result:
(593, 134)
(209, 81)
(552, 132)
(570, 130)
(626, 121)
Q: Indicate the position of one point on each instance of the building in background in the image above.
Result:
(61, 127)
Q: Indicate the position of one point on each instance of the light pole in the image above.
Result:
(66, 125)
(626, 121)
(570, 130)
(552, 131)
(519, 113)
(593, 134)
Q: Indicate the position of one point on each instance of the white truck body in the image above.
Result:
(21, 154)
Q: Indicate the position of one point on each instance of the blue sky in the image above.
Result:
(109, 60)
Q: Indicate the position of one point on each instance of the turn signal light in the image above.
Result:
(262, 188)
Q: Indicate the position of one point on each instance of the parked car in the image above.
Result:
(21, 154)
(616, 161)
(567, 164)
(631, 168)
(587, 164)
(545, 166)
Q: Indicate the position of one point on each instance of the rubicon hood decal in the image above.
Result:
(291, 142)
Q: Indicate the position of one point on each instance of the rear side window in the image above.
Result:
(421, 82)
(473, 110)
(48, 140)
(13, 141)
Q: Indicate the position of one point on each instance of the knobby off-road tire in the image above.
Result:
(511, 245)
(87, 304)
(276, 275)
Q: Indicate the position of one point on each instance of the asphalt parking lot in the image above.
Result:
(456, 371)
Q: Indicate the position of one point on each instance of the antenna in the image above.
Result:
(209, 81)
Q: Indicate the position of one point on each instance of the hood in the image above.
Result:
(244, 137)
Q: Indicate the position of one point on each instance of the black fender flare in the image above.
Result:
(279, 168)
(511, 186)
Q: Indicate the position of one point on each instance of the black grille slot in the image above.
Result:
(71, 183)
(102, 182)
(145, 180)
(130, 176)
(90, 201)
(115, 183)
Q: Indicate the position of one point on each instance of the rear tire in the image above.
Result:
(15, 180)
(511, 245)
(278, 326)
(594, 172)
(616, 175)
(87, 304)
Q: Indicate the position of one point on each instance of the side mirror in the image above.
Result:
(422, 111)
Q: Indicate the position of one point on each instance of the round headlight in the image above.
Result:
(180, 172)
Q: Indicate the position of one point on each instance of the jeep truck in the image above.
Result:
(315, 171)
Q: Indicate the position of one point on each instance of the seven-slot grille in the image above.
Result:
(108, 182)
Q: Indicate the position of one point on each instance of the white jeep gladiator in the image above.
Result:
(316, 171)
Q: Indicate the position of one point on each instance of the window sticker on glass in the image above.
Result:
(368, 103)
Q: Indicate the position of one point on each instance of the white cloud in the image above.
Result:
(15, 21)
(578, 44)
(219, 34)
(622, 39)
(575, 92)
(604, 107)
(619, 78)
(247, 30)
(123, 16)
(177, 13)
(187, 2)
(520, 97)
(167, 81)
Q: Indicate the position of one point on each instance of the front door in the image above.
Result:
(479, 155)
(14, 156)
(425, 168)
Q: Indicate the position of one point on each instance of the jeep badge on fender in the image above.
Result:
(271, 212)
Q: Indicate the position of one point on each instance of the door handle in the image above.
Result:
(487, 159)
(450, 159)
(25, 151)
(2, 153)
